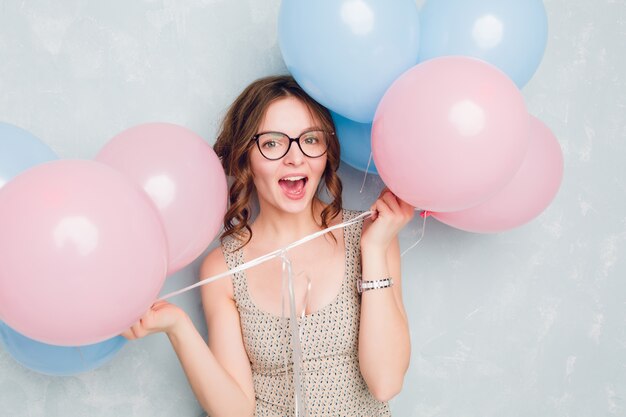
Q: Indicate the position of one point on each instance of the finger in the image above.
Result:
(381, 207)
(158, 305)
(399, 205)
(128, 334)
(138, 330)
(392, 202)
(407, 209)
(374, 213)
(384, 191)
(405, 205)
(404, 208)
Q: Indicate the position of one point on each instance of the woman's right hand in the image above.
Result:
(161, 317)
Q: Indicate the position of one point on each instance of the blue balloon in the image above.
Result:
(20, 150)
(355, 140)
(346, 53)
(58, 360)
(509, 34)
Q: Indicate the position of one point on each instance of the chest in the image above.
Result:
(318, 272)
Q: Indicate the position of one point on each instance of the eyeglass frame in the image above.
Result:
(291, 140)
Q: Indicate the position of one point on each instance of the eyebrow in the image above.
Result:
(308, 129)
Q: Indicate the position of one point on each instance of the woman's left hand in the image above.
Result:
(391, 214)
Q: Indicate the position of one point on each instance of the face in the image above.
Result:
(287, 184)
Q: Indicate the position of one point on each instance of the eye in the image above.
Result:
(310, 139)
(269, 144)
(271, 141)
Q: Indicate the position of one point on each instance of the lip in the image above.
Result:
(295, 174)
(295, 196)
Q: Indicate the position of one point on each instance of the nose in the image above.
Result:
(294, 155)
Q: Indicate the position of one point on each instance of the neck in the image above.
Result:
(282, 228)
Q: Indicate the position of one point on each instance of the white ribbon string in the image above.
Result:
(267, 257)
(284, 290)
(296, 348)
(367, 169)
(418, 240)
(308, 293)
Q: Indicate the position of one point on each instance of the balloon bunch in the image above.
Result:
(86, 245)
(435, 95)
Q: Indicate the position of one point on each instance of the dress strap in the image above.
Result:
(352, 233)
(352, 239)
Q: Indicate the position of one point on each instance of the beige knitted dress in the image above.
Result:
(332, 381)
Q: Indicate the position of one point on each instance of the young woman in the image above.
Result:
(279, 147)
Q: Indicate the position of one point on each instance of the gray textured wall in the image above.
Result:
(529, 322)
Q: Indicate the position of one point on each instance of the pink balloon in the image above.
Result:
(525, 197)
(449, 133)
(82, 253)
(184, 178)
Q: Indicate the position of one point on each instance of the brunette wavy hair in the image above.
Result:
(234, 143)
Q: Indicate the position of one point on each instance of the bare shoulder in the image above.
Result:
(213, 264)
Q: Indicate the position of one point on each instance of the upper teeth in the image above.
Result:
(293, 178)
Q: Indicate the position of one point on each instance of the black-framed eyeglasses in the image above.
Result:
(275, 145)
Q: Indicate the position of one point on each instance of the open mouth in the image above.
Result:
(293, 186)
